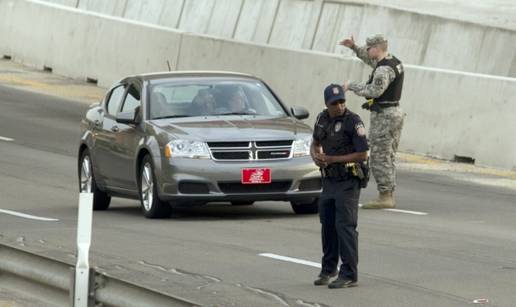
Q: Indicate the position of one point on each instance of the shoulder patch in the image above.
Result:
(360, 129)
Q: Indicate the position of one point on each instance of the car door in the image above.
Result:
(105, 136)
(127, 137)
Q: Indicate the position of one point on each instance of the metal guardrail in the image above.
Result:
(52, 282)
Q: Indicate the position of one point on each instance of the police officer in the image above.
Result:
(383, 92)
(339, 142)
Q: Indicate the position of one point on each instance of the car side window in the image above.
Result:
(114, 99)
(132, 100)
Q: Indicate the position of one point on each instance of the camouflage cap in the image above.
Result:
(375, 40)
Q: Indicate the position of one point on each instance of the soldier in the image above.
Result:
(383, 92)
(339, 143)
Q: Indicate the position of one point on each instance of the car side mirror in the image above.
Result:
(129, 118)
(125, 118)
(137, 115)
(299, 112)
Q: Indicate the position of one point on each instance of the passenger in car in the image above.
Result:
(203, 103)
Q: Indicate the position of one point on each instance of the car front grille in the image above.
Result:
(239, 188)
(231, 155)
(251, 151)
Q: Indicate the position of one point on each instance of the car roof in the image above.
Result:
(199, 73)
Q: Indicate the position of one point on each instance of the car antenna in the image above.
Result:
(168, 64)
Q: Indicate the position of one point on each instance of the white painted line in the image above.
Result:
(401, 211)
(290, 259)
(2, 138)
(407, 211)
(28, 216)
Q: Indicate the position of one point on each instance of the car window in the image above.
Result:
(182, 94)
(114, 99)
(132, 100)
(212, 98)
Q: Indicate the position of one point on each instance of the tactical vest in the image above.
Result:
(393, 91)
(335, 134)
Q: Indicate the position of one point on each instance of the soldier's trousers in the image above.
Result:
(338, 210)
(384, 138)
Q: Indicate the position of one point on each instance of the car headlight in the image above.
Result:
(187, 149)
(302, 146)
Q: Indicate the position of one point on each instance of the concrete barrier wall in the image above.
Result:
(416, 38)
(83, 45)
(449, 113)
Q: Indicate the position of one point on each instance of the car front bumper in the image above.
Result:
(190, 181)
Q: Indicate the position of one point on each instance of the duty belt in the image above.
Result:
(375, 106)
(387, 105)
(336, 171)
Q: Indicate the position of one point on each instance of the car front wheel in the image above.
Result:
(305, 207)
(87, 183)
(152, 206)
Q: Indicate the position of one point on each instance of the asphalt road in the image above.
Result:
(463, 249)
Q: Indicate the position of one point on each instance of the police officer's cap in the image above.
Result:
(375, 40)
(334, 93)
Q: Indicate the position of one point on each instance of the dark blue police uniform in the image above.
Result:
(338, 204)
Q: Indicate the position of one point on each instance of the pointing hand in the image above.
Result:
(348, 42)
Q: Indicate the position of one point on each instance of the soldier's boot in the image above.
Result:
(384, 201)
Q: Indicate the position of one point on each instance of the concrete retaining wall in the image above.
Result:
(449, 113)
(416, 38)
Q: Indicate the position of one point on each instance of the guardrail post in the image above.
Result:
(83, 285)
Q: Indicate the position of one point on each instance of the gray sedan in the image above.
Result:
(190, 138)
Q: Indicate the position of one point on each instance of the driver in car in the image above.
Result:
(237, 104)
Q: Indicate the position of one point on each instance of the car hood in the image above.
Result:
(234, 128)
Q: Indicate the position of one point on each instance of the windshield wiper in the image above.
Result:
(237, 113)
(170, 116)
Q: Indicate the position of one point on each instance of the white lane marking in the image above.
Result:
(407, 211)
(290, 259)
(28, 216)
(2, 138)
(401, 211)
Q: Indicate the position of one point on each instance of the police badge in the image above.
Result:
(338, 126)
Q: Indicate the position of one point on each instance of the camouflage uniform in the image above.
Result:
(385, 126)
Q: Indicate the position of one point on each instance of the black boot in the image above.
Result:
(342, 283)
(324, 279)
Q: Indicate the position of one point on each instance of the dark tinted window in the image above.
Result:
(114, 99)
(132, 100)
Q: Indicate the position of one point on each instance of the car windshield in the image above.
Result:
(211, 97)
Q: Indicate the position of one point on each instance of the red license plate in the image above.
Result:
(256, 175)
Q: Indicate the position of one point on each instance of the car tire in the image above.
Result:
(151, 205)
(87, 183)
(242, 203)
(305, 207)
